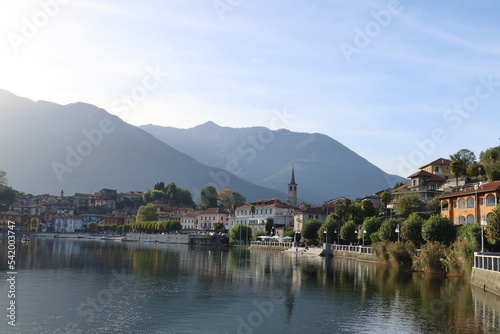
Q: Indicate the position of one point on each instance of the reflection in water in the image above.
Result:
(72, 284)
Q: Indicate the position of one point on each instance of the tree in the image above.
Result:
(208, 197)
(127, 228)
(3, 178)
(114, 228)
(408, 203)
(371, 225)
(258, 233)
(367, 208)
(492, 230)
(387, 231)
(467, 156)
(458, 169)
(342, 210)
(434, 205)
(412, 229)
(106, 228)
(348, 231)
(240, 233)
(386, 198)
(310, 229)
(269, 226)
(92, 227)
(7, 198)
(160, 186)
(228, 198)
(153, 196)
(440, 229)
(219, 227)
(147, 213)
(475, 169)
(330, 225)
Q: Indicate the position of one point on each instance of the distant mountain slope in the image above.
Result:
(78, 147)
(324, 168)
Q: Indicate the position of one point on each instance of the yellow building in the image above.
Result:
(440, 167)
(470, 206)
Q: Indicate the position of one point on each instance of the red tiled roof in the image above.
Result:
(213, 211)
(488, 187)
(275, 203)
(429, 176)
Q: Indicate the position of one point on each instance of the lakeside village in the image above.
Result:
(447, 202)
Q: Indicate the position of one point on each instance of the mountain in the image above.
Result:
(47, 147)
(324, 168)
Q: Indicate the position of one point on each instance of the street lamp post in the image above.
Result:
(483, 224)
(296, 242)
(326, 235)
(397, 231)
(338, 237)
(364, 231)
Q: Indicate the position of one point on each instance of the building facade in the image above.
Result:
(471, 206)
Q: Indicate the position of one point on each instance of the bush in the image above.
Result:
(460, 258)
(432, 257)
(380, 250)
(440, 229)
(401, 254)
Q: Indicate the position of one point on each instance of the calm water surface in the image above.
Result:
(86, 286)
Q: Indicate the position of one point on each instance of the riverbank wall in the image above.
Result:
(356, 256)
(486, 272)
(161, 238)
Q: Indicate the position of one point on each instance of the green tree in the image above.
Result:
(106, 228)
(408, 203)
(471, 233)
(467, 156)
(269, 226)
(208, 197)
(434, 205)
(367, 208)
(348, 231)
(412, 229)
(219, 227)
(371, 225)
(458, 169)
(3, 178)
(356, 213)
(440, 229)
(330, 225)
(153, 196)
(160, 186)
(228, 198)
(240, 233)
(92, 227)
(387, 231)
(114, 228)
(147, 213)
(386, 198)
(7, 198)
(310, 229)
(127, 228)
(342, 210)
(492, 230)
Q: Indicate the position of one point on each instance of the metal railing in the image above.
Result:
(356, 249)
(487, 261)
(271, 244)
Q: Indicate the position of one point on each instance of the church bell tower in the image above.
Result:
(292, 190)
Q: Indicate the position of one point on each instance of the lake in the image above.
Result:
(93, 286)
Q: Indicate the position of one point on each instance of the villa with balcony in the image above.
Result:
(472, 205)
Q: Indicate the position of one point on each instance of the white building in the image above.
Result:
(256, 214)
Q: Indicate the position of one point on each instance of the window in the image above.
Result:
(470, 219)
(462, 220)
(461, 203)
(444, 206)
(490, 200)
(470, 203)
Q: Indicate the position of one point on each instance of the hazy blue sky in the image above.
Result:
(399, 82)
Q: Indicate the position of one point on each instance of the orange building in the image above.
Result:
(471, 206)
(440, 167)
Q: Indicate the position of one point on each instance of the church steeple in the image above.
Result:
(292, 190)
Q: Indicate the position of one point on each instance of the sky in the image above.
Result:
(401, 83)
